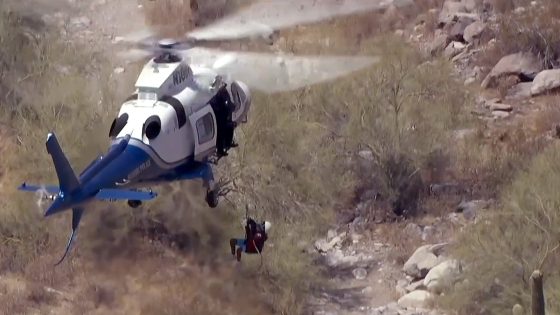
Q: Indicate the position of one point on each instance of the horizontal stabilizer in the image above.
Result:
(48, 188)
(116, 194)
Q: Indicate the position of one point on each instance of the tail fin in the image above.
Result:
(66, 176)
(76, 217)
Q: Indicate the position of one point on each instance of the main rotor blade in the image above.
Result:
(271, 73)
(267, 16)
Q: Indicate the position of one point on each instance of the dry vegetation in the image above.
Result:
(508, 244)
(533, 29)
(296, 167)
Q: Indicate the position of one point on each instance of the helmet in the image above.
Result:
(267, 226)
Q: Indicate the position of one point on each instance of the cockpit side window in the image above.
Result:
(118, 125)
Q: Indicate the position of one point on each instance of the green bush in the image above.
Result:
(506, 245)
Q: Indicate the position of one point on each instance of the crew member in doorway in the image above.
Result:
(223, 108)
(256, 235)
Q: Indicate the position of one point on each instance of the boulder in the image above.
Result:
(359, 273)
(400, 288)
(453, 49)
(443, 276)
(473, 31)
(498, 114)
(323, 246)
(545, 81)
(519, 91)
(470, 5)
(449, 11)
(522, 64)
(438, 44)
(478, 203)
(418, 285)
(457, 30)
(415, 299)
(422, 260)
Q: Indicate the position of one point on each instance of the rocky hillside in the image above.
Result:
(507, 56)
(393, 223)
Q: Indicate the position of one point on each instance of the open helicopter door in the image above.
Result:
(241, 97)
(203, 123)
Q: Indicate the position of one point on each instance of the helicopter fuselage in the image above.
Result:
(171, 123)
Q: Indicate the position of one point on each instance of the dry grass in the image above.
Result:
(521, 236)
(176, 17)
(533, 30)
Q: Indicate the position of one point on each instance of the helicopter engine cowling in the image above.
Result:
(241, 97)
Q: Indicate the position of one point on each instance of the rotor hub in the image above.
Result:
(167, 43)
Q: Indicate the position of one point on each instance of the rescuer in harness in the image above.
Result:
(255, 237)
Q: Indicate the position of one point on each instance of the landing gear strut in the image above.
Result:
(134, 203)
(211, 189)
(212, 198)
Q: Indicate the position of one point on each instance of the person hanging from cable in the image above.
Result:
(256, 235)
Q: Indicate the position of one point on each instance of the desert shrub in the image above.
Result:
(49, 89)
(533, 30)
(177, 17)
(486, 161)
(506, 245)
(403, 113)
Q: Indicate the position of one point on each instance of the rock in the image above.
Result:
(470, 5)
(412, 230)
(470, 208)
(422, 260)
(400, 288)
(367, 290)
(118, 70)
(418, 285)
(517, 310)
(117, 39)
(519, 91)
(443, 276)
(498, 114)
(453, 49)
(415, 299)
(80, 22)
(331, 234)
(501, 107)
(322, 245)
(428, 232)
(473, 31)
(443, 188)
(456, 33)
(521, 64)
(449, 11)
(545, 81)
(366, 155)
(337, 258)
(438, 44)
(359, 273)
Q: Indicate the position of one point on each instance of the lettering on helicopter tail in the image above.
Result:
(180, 75)
(139, 170)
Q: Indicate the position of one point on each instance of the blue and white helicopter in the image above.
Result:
(168, 129)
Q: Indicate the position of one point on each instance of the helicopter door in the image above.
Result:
(241, 97)
(203, 123)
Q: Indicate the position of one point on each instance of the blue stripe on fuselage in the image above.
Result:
(132, 164)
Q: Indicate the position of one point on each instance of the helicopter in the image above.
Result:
(184, 100)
